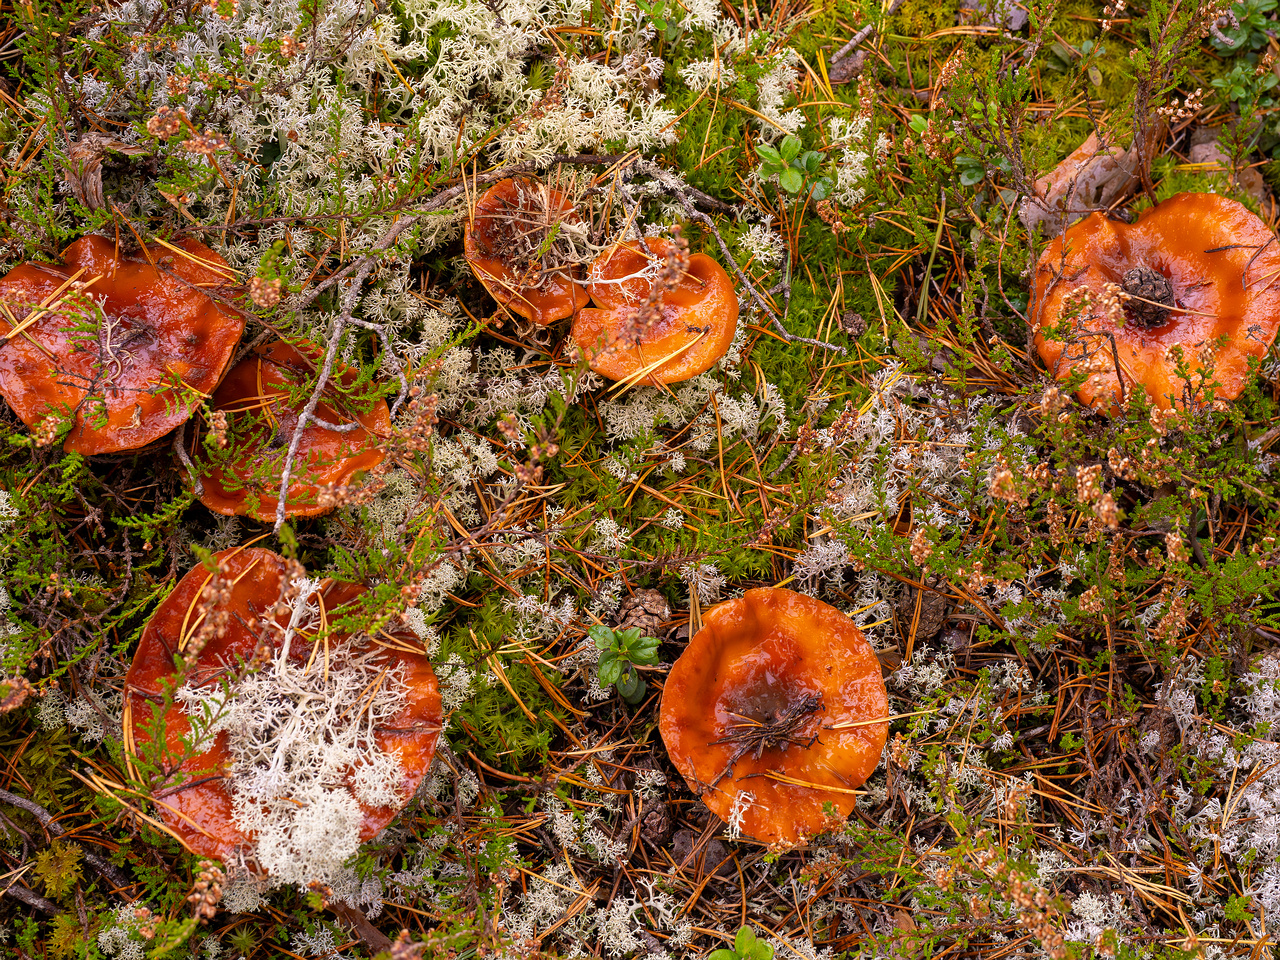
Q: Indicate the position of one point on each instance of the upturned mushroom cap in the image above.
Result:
(1190, 270)
(513, 220)
(200, 812)
(775, 708)
(256, 397)
(696, 325)
(128, 348)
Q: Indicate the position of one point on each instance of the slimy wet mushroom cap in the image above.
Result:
(775, 708)
(262, 397)
(254, 608)
(627, 336)
(513, 244)
(125, 345)
(1196, 275)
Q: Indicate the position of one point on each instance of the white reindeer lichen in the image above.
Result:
(301, 733)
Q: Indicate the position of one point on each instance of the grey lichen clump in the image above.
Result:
(299, 730)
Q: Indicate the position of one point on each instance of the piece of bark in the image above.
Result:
(1247, 178)
(83, 170)
(846, 69)
(1092, 178)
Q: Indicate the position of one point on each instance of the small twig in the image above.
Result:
(1244, 274)
(337, 427)
(381, 331)
(755, 736)
(1080, 339)
(364, 266)
(862, 35)
(858, 37)
(54, 829)
(1265, 440)
(30, 898)
(180, 450)
(374, 939)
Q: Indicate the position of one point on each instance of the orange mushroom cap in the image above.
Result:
(504, 240)
(775, 708)
(1193, 269)
(698, 319)
(200, 813)
(115, 363)
(256, 397)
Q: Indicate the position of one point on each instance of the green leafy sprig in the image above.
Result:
(746, 946)
(620, 651)
(793, 168)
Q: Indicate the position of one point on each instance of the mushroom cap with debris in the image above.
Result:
(776, 708)
(260, 396)
(519, 244)
(295, 740)
(630, 335)
(1192, 281)
(125, 346)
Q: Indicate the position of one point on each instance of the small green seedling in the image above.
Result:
(620, 651)
(793, 168)
(666, 23)
(745, 947)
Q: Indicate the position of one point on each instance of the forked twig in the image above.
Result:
(363, 267)
(749, 735)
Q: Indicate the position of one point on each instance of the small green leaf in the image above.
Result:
(791, 180)
(627, 637)
(811, 161)
(919, 123)
(722, 954)
(790, 148)
(768, 154)
(610, 672)
(744, 941)
(602, 636)
(631, 686)
(646, 652)
(821, 189)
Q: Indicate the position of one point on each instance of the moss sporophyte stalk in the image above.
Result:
(638, 479)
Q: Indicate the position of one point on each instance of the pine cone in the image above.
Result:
(647, 609)
(1153, 292)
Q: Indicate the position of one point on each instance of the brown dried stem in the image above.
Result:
(756, 736)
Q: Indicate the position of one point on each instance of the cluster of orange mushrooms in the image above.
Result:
(775, 712)
(128, 346)
(640, 330)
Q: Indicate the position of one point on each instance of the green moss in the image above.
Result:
(711, 148)
(58, 867)
(1172, 178)
(494, 725)
(919, 18)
